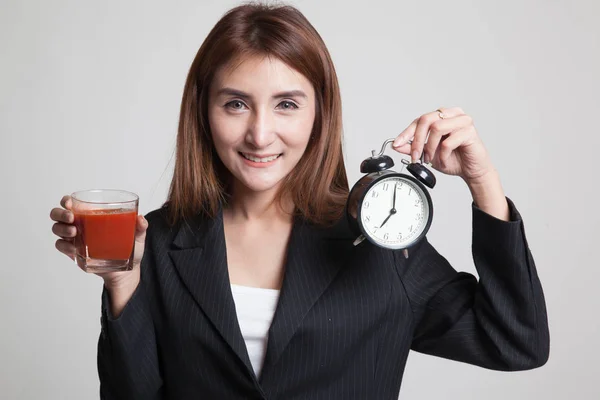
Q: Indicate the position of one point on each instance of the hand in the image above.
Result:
(450, 143)
(65, 229)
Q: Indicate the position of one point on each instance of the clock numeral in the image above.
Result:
(417, 202)
(399, 236)
(410, 229)
(386, 236)
(375, 194)
(368, 218)
(386, 186)
(409, 190)
(419, 215)
(366, 204)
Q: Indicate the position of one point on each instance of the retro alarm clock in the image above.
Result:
(390, 209)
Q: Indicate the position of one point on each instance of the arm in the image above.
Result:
(499, 322)
(128, 365)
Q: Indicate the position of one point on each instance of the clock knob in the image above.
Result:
(422, 174)
(376, 164)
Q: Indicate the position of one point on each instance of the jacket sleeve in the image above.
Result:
(128, 365)
(498, 322)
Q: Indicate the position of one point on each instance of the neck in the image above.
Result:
(249, 206)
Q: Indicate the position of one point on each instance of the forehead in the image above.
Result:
(259, 73)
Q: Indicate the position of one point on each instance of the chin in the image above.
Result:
(258, 184)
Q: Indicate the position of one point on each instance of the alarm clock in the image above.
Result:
(391, 210)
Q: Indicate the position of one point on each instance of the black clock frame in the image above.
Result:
(357, 196)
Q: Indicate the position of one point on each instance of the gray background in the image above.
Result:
(89, 98)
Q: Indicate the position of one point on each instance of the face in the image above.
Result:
(261, 114)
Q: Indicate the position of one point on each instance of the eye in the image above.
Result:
(288, 105)
(235, 105)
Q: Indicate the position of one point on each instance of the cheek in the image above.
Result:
(225, 130)
(299, 131)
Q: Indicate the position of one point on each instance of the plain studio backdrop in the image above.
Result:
(89, 98)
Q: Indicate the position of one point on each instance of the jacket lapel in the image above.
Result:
(201, 261)
(314, 258)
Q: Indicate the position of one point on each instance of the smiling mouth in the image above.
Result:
(260, 159)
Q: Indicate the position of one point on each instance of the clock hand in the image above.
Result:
(392, 212)
(386, 220)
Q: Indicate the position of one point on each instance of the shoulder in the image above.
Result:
(338, 229)
(165, 231)
(158, 218)
(159, 227)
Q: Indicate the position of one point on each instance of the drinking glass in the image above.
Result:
(105, 220)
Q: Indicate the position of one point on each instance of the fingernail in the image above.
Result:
(426, 158)
(415, 156)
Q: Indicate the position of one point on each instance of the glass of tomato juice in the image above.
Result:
(105, 220)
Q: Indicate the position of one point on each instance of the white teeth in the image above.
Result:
(262, 160)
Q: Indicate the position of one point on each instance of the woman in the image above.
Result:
(246, 283)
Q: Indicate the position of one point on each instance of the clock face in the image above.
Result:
(398, 225)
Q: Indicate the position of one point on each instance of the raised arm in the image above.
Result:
(498, 322)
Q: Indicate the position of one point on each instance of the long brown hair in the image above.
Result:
(318, 184)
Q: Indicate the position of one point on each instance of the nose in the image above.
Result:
(261, 129)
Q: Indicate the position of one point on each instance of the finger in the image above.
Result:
(409, 133)
(451, 143)
(421, 133)
(440, 128)
(140, 229)
(404, 149)
(64, 230)
(449, 112)
(140, 238)
(423, 125)
(66, 202)
(432, 145)
(65, 247)
(62, 215)
(405, 135)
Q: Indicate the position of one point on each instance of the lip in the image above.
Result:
(260, 155)
(259, 164)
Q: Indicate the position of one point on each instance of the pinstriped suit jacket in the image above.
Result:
(345, 322)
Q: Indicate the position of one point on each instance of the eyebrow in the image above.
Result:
(238, 93)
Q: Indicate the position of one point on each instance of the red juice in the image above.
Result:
(105, 234)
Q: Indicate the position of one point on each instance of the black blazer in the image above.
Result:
(346, 318)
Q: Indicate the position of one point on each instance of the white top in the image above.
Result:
(255, 308)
